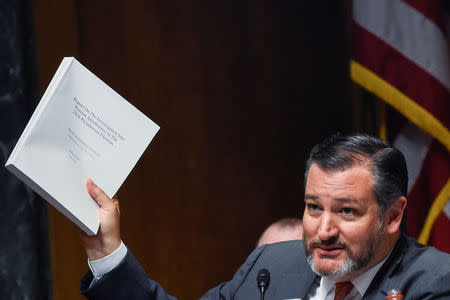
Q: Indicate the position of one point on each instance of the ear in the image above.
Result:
(394, 215)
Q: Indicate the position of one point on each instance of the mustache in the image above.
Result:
(332, 241)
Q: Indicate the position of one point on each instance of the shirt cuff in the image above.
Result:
(100, 267)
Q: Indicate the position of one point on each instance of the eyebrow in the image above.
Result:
(347, 200)
(341, 199)
(311, 197)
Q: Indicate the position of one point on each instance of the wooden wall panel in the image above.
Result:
(241, 91)
(56, 25)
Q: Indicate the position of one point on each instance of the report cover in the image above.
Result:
(80, 129)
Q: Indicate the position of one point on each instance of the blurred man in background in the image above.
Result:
(285, 229)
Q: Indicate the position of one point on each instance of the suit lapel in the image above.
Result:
(380, 284)
(296, 285)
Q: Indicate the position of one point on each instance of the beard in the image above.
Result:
(355, 260)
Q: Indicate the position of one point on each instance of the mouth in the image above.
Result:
(330, 250)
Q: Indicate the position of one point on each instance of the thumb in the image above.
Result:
(99, 196)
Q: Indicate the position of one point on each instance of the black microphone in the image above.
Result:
(263, 281)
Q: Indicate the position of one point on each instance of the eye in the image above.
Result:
(348, 211)
(313, 207)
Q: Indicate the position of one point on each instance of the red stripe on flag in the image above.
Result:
(406, 76)
(433, 176)
(432, 9)
(440, 235)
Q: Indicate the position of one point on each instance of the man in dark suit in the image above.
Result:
(353, 243)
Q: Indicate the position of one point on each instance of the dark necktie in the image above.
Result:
(342, 289)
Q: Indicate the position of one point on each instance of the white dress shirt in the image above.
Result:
(106, 264)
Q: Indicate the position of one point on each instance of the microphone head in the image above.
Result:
(263, 279)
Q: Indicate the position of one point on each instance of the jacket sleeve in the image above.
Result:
(129, 281)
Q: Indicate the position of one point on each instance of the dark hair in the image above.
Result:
(388, 166)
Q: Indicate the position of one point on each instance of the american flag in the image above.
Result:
(400, 52)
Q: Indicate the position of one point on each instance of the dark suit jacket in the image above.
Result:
(419, 272)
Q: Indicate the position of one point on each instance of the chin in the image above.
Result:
(332, 268)
(328, 269)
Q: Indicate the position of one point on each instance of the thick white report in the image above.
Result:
(80, 129)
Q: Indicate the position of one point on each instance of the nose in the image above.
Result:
(327, 227)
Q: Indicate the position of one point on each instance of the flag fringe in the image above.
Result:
(436, 208)
(392, 96)
(382, 130)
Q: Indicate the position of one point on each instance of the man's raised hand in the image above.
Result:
(108, 236)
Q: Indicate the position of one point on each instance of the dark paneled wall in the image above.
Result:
(241, 90)
(24, 253)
